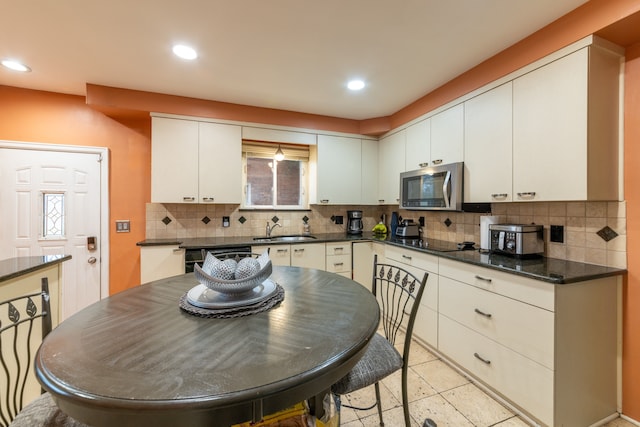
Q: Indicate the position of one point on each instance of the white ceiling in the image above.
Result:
(286, 54)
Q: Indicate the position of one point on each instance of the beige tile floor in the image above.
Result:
(438, 392)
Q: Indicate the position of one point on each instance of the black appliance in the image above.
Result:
(196, 255)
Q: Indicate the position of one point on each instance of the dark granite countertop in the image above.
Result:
(19, 266)
(549, 270)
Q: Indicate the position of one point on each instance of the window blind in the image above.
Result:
(268, 149)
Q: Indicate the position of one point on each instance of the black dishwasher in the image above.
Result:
(195, 255)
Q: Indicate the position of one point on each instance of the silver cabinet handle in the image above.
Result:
(423, 165)
(324, 201)
(92, 260)
(298, 250)
(336, 264)
(436, 162)
(406, 257)
(499, 195)
(283, 250)
(178, 250)
(207, 199)
(527, 194)
(477, 356)
(338, 249)
(380, 200)
(484, 279)
(482, 313)
(188, 199)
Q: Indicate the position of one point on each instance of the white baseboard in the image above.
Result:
(631, 420)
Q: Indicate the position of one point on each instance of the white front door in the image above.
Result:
(51, 203)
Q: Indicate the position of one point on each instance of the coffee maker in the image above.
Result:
(354, 222)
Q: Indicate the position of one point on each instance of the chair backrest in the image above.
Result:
(398, 292)
(19, 340)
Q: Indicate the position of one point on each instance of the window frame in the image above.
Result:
(304, 182)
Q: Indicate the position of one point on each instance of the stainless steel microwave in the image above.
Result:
(432, 188)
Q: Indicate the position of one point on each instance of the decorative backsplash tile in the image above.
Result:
(582, 221)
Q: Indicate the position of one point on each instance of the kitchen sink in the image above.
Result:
(294, 238)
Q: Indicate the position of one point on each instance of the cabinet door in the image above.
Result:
(447, 136)
(309, 255)
(278, 254)
(487, 146)
(550, 131)
(369, 173)
(339, 170)
(418, 146)
(174, 160)
(220, 163)
(391, 158)
(158, 262)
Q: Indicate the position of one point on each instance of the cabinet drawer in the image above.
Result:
(278, 254)
(521, 327)
(413, 258)
(338, 248)
(339, 263)
(521, 380)
(531, 291)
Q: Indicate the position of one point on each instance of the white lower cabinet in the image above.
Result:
(308, 255)
(338, 258)
(521, 380)
(158, 262)
(363, 254)
(549, 349)
(278, 254)
(417, 263)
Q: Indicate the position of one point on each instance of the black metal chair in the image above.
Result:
(18, 345)
(399, 293)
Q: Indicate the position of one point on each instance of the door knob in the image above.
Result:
(92, 260)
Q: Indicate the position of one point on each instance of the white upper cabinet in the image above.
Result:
(220, 163)
(339, 170)
(418, 145)
(391, 162)
(369, 173)
(195, 162)
(447, 136)
(565, 128)
(487, 146)
(174, 160)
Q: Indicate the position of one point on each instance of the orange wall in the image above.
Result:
(35, 116)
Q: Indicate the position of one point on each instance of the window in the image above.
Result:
(53, 215)
(272, 184)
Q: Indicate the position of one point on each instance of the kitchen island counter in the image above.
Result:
(12, 268)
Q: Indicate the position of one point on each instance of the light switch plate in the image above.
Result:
(123, 226)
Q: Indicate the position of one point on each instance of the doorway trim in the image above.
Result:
(104, 194)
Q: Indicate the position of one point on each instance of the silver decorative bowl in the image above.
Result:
(237, 286)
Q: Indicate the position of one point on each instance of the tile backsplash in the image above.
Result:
(581, 220)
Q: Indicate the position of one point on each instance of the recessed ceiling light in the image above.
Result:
(355, 84)
(15, 65)
(185, 52)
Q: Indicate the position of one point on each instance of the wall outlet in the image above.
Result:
(339, 219)
(225, 221)
(556, 234)
(123, 226)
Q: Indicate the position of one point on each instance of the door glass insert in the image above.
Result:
(53, 215)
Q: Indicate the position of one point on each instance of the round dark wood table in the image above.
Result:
(137, 359)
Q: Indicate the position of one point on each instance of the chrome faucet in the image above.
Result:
(270, 228)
